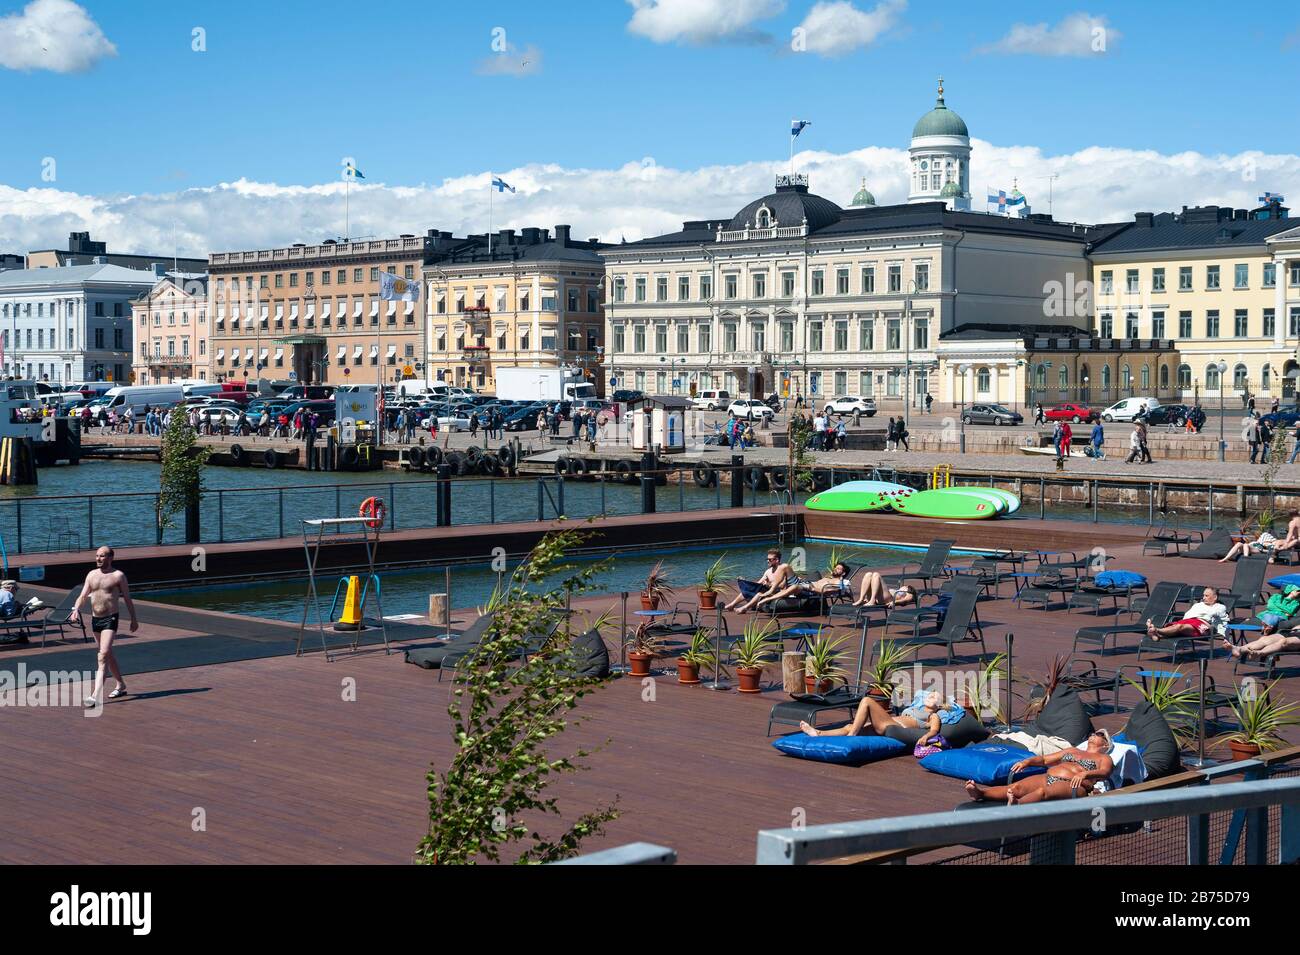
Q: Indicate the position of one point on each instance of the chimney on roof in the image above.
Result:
(99, 260)
(530, 235)
(1144, 219)
(505, 236)
(562, 235)
(159, 269)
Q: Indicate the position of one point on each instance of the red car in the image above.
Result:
(1069, 411)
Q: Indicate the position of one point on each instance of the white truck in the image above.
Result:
(543, 384)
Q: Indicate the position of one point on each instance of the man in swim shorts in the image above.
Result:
(103, 587)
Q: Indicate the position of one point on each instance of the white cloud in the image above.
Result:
(56, 35)
(702, 21)
(511, 62)
(639, 198)
(1079, 34)
(834, 29)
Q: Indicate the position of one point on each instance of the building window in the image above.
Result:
(661, 288)
(619, 288)
(983, 382)
(818, 282)
(1240, 275)
(706, 288)
(1107, 282)
(279, 280)
(705, 336)
(842, 281)
(683, 289)
(922, 276)
(758, 336)
(729, 286)
(618, 343)
(1293, 275)
(575, 339)
(787, 285)
(1270, 322)
(683, 338)
(638, 286)
(866, 335)
(1184, 377)
(573, 299)
(1131, 284)
(1239, 378)
(868, 280)
(1212, 377)
(1184, 324)
(814, 336)
(1294, 322)
(1157, 324)
(661, 339)
(1164, 377)
(1063, 378)
(1184, 278)
(1106, 325)
(293, 280)
(842, 335)
(729, 337)
(1146, 378)
(1212, 278)
(760, 285)
(1270, 275)
(1239, 323)
(1130, 325)
(1157, 280)
(1212, 323)
(841, 382)
(593, 301)
(893, 334)
(921, 333)
(1265, 378)
(638, 339)
(374, 277)
(787, 337)
(895, 278)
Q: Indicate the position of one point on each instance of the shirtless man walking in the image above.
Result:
(104, 586)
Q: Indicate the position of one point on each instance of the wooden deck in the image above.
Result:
(285, 770)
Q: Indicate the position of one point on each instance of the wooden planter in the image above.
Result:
(1242, 751)
(640, 663)
(688, 673)
(708, 599)
(748, 678)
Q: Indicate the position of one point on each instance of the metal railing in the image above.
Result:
(634, 853)
(1053, 832)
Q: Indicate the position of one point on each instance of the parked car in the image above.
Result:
(1286, 416)
(991, 414)
(1070, 411)
(1128, 409)
(712, 400)
(523, 420)
(624, 395)
(1168, 414)
(750, 409)
(449, 418)
(851, 404)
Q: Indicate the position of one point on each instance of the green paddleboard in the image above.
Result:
(1012, 502)
(858, 496)
(943, 503)
(984, 494)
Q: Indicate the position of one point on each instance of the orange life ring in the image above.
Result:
(374, 509)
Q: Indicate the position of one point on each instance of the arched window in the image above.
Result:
(1212, 377)
(1146, 378)
(1239, 378)
(1126, 378)
(1063, 378)
(1184, 377)
(764, 218)
(1266, 378)
(1164, 377)
(1105, 379)
(983, 381)
(1040, 377)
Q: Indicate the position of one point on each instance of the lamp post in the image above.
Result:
(1222, 368)
(964, 370)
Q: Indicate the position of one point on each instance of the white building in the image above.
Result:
(939, 158)
(70, 323)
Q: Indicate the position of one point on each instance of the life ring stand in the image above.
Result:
(375, 511)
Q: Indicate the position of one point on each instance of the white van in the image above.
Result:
(712, 400)
(1126, 409)
(141, 396)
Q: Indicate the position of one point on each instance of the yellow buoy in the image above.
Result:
(351, 619)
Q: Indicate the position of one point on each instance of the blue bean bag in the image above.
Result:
(989, 764)
(1119, 578)
(1281, 582)
(845, 750)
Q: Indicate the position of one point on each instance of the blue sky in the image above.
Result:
(285, 89)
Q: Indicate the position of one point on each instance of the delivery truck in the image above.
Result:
(543, 384)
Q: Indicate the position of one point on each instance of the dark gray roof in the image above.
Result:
(979, 332)
(790, 205)
(527, 245)
(1198, 228)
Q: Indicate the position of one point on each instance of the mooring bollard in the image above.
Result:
(737, 480)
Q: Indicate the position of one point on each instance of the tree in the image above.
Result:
(505, 711)
(180, 484)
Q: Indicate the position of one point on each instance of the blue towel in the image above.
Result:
(947, 716)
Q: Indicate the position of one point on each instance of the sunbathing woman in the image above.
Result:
(1265, 646)
(1070, 773)
(836, 583)
(874, 593)
(869, 711)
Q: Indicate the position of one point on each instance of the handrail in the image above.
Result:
(814, 843)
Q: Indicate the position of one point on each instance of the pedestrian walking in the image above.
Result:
(1265, 441)
(1295, 433)
(1142, 442)
(1098, 441)
(1039, 417)
(104, 586)
(1250, 434)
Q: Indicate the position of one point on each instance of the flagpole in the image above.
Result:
(489, 232)
(792, 147)
(347, 222)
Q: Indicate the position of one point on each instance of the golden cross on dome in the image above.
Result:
(941, 87)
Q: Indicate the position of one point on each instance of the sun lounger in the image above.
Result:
(933, 564)
(47, 618)
(449, 653)
(1214, 546)
(959, 626)
(1158, 607)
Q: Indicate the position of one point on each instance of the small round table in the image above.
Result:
(1157, 675)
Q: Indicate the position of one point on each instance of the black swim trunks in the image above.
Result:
(100, 624)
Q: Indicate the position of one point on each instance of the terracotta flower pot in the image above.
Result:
(1241, 751)
(688, 673)
(708, 599)
(640, 663)
(649, 603)
(748, 678)
(878, 695)
(813, 686)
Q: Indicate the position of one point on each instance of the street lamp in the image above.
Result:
(964, 370)
(1222, 368)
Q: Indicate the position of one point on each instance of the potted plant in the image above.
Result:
(712, 582)
(698, 656)
(889, 659)
(644, 646)
(1176, 703)
(657, 588)
(821, 664)
(754, 649)
(1259, 717)
(981, 692)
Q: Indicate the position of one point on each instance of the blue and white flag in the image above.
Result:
(1272, 197)
(394, 288)
(797, 125)
(350, 171)
(501, 185)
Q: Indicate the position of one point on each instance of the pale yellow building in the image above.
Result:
(170, 325)
(513, 299)
(1208, 280)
